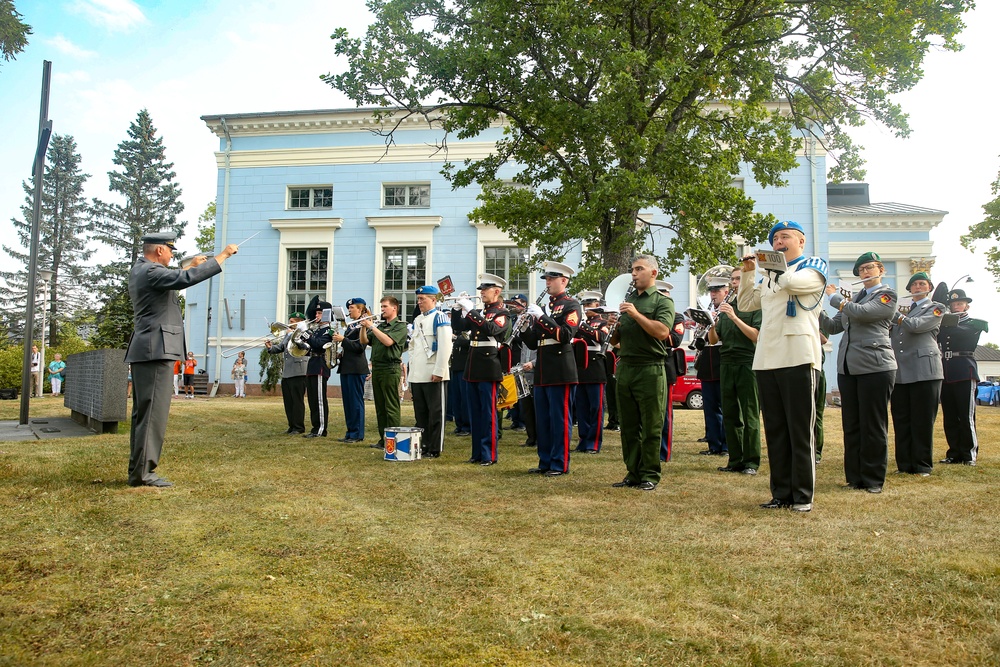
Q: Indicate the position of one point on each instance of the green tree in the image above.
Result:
(612, 107)
(206, 229)
(62, 246)
(13, 31)
(149, 201)
(988, 230)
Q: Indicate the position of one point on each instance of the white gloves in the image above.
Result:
(535, 311)
(466, 305)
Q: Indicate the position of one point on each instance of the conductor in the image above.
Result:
(156, 343)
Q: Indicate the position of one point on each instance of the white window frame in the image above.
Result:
(303, 234)
(407, 205)
(312, 197)
(488, 236)
(398, 231)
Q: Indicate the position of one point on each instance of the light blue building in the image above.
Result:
(341, 213)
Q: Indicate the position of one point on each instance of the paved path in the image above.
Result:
(42, 428)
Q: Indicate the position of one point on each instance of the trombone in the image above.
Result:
(278, 329)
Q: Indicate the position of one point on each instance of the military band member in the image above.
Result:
(353, 370)
(643, 335)
(430, 350)
(317, 341)
(919, 374)
(592, 374)
(157, 342)
(522, 355)
(387, 340)
(488, 361)
(293, 377)
(551, 334)
(458, 388)
(787, 362)
(866, 372)
(961, 375)
(709, 367)
(676, 366)
(738, 331)
(610, 369)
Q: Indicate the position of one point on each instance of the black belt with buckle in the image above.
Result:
(949, 354)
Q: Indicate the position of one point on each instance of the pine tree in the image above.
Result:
(151, 203)
(62, 243)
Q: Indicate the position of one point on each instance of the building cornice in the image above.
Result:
(310, 157)
(377, 221)
(890, 251)
(306, 224)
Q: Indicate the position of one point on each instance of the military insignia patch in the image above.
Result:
(885, 298)
(938, 312)
(501, 320)
(557, 310)
(573, 319)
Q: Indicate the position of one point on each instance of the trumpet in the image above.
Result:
(523, 320)
(455, 298)
(278, 329)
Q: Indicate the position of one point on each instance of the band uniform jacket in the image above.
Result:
(958, 344)
(552, 336)
(459, 345)
(430, 347)
(352, 353)
(787, 340)
(865, 347)
(488, 358)
(293, 366)
(317, 342)
(158, 325)
(914, 342)
(592, 335)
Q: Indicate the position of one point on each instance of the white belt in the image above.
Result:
(482, 343)
(549, 341)
(593, 348)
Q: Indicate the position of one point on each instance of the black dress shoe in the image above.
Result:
(775, 504)
(311, 435)
(646, 486)
(874, 489)
(377, 445)
(702, 439)
(592, 451)
(537, 471)
(431, 455)
(159, 483)
(624, 483)
(726, 469)
(487, 463)
(969, 463)
(613, 427)
(949, 460)
(473, 461)
(707, 452)
(463, 433)
(554, 473)
(290, 431)
(747, 471)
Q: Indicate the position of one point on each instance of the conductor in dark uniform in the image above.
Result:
(551, 333)
(919, 373)
(488, 360)
(156, 343)
(961, 374)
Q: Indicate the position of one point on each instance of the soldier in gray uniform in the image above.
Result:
(156, 343)
(961, 374)
(919, 374)
(866, 372)
(293, 377)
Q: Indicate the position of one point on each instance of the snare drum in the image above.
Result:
(402, 443)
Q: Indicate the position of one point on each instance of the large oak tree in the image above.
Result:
(612, 107)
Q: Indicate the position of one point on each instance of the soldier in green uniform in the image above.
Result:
(738, 331)
(643, 333)
(388, 340)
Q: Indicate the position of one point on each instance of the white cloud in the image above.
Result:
(63, 45)
(72, 77)
(111, 14)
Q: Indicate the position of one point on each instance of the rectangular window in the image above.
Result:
(405, 271)
(306, 277)
(509, 264)
(300, 198)
(406, 196)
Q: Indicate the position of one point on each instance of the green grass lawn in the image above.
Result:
(279, 550)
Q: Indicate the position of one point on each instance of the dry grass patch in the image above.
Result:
(275, 549)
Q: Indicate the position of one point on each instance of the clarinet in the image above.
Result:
(611, 330)
(523, 320)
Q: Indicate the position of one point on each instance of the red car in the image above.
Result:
(687, 390)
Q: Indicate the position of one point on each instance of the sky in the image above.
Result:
(182, 59)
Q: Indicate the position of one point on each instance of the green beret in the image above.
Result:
(919, 275)
(865, 259)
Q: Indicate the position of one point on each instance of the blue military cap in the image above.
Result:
(429, 290)
(519, 297)
(161, 238)
(784, 224)
(356, 301)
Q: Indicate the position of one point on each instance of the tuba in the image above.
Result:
(704, 300)
(618, 291)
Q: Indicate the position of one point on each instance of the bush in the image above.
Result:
(12, 359)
